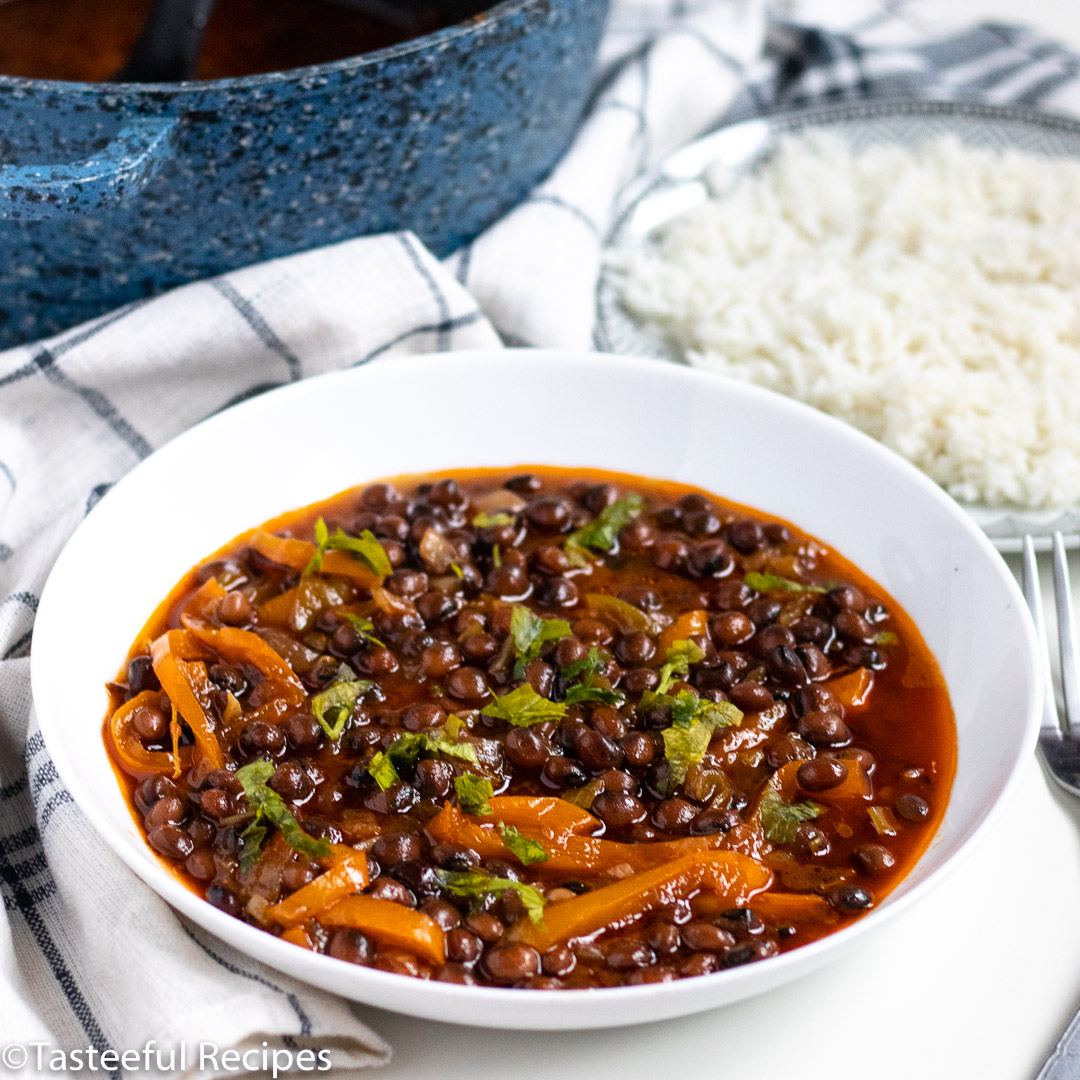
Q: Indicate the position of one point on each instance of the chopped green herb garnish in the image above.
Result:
(602, 532)
(381, 769)
(333, 707)
(524, 707)
(406, 749)
(363, 627)
(365, 547)
(587, 689)
(693, 721)
(496, 556)
(884, 637)
(774, 583)
(458, 572)
(531, 633)
(473, 793)
(270, 807)
(526, 850)
(680, 656)
(780, 819)
(486, 521)
(475, 884)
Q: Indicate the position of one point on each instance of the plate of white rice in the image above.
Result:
(910, 267)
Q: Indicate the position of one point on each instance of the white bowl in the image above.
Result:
(310, 440)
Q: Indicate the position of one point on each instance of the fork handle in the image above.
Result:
(1064, 1062)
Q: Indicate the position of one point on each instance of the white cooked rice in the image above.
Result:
(930, 297)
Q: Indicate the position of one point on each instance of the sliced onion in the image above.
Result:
(390, 603)
(501, 500)
(437, 552)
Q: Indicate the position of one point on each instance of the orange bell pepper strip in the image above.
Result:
(128, 747)
(278, 610)
(735, 877)
(243, 647)
(288, 551)
(567, 854)
(554, 816)
(203, 603)
(184, 678)
(298, 936)
(689, 624)
(390, 924)
(853, 689)
(347, 874)
(796, 908)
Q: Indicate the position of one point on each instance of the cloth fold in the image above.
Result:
(88, 955)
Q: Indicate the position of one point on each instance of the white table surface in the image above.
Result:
(975, 983)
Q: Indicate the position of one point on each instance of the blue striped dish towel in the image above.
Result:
(89, 957)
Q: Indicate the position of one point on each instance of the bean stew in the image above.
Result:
(542, 728)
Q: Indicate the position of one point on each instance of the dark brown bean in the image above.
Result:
(235, 609)
(674, 815)
(302, 731)
(629, 955)
(788, 748)
(467, 684)
(664, 938)
(853, 626)
(454, 857)
(386, 888)
(824, 729)
(618, 810)
(398, 962)
(170, 841)
(141, 675)
(608, 722)
(446, 915)
(150, 723)
(670, 555)
(704, 937)
(200, 865)
(746, 536)
(292, 783)
(750, 696)
(527, 749)
(562, 771)
(847, 598)
(351, 945)
(639, 749)
(486, 927)
(167, 811)
(713, 821)
(260, 738)
(597, 751)
(786, 666)
(433, 779)
(874, 859)
(438, 660)
(394, 848)
(731, 628)
(423, 716)
(508, 964)
(639, 680)
(558, 960)
(463, 946)
(454, 973)
(821, 774)
(593, 632)
(710, 558)
(810, 841)
(479, 646)
(912, 808)
(509, 582)
(549, 513)
(541, 677)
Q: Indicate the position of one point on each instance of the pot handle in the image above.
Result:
(108, 178)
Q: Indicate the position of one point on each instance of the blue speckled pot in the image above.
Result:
(113, 192)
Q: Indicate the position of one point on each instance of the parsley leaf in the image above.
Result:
(626, 617)
(679, 658)
(531, 633)
(527, 851)
(473, 793)
(773, 583)
(693, 721)
(270, 807)
(523, 707)
(780, 819)
(365, 547)
(406, 749)
(884, 637)
(589, 667)
(486, 521)
(475, 884)
(602, 532)
(496, 556)
(333, 707)
(363, 627)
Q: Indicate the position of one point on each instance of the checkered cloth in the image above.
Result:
(90, 957)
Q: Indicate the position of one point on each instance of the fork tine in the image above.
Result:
(1070, 660)
(1033, 595)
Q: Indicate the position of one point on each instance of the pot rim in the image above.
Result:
(433, 41)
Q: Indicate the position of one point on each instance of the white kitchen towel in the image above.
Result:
(90, 958)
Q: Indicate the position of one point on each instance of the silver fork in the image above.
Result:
(1059, 739)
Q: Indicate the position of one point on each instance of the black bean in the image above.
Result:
(454, 857)
(713, 821)
(639, 750)
(557, 592)
(549, 513)
(874, 859)
(386, 888)
(821, 774)
(351, 945)
(433, 778)
(170, 841)
(420, 879)
(141, 675)
(789, 747)
(674, 815)
(558, 960)
(824, 729)
(751, 696)
(467, 684)
(710, 558)
(509, 964)
(703, 936)
(524, 484)
(746, 536)
(786, 666)
(629, 955)
(850, 898)
(564, 772)
(527, 749)
(912, 808)
(618, 810)
(597, 751)
(260, 738)
(150, 723)
(291, 782)
(393, 848)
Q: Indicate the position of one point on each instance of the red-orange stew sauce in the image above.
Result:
(542, 728)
